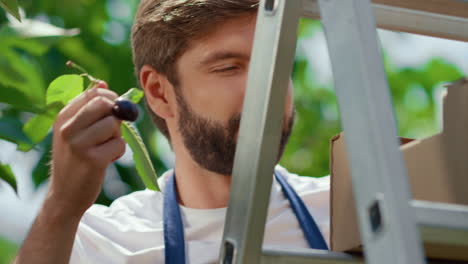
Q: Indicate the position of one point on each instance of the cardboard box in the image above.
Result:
(437, 171)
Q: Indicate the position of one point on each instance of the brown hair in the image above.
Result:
(163, 28)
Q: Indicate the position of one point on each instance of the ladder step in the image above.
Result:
(442, 223)
(273, 255)
(277, 255)
(442, 18)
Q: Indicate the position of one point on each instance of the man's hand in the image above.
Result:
(86, 140)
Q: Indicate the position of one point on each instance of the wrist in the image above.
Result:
(60, 212)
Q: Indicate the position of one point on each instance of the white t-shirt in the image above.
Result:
(131, 229)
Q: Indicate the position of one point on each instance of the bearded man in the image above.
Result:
(191, 58)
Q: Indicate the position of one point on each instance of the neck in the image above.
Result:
(199, 188)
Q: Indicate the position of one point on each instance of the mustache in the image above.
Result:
(234, 124)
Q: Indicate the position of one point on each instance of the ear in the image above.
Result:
(157, 91)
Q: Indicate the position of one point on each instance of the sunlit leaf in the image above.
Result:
(141, 157)
(308, 27)
(31, 28)
(7, 175)
(33, 36)
(134, 95)
(64, 88)
(38, 127)
(11, 6)
(438, 70)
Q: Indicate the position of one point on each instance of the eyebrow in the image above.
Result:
(223, 55)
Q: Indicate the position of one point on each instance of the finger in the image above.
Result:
(107, 152)
(78, 102)
(92, 112)
(98, 133)
(102, 84)
(87, 96)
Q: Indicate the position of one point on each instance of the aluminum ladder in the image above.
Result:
(368, 122)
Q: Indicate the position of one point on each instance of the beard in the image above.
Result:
(211, 144)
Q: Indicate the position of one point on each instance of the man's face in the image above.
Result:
(212, 80)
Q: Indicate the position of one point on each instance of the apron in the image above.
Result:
(174, 241)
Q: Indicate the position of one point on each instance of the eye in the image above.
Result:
(227, 69)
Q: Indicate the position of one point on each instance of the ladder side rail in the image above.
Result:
(409, 20)
(260, 129)
(381, 190)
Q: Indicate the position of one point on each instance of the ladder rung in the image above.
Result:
(442, 223)
(276, 255)
(301, 256)
(428, 18)
(443, 7)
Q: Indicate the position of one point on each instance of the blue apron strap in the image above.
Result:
(174, 242)
(309, 227)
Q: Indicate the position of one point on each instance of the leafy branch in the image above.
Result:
(11, 6)
(59, 93)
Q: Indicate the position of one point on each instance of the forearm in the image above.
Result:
(51, 237)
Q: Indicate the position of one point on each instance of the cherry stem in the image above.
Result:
(73, 65)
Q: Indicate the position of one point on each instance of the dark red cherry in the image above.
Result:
(125, 110)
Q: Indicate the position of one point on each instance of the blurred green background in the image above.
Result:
(34, 52)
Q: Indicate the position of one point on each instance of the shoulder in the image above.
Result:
(128, 215)
(146, 204)
(132, 223)
(315, 193)
(304, 184)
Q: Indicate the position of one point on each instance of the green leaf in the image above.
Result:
(11, 130)
(8, 250)
(11, 6)
(129, 175)
(64, 88)
(38, 127)
(438, 70)
(24, 82)
(31, 46)
(7, 175)
(134, 95)
(77, 50)
(7, 70)
(140, 156)
(307, 28)
(41, 170)
(33, 36)
(17, 99)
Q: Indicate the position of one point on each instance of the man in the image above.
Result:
(191, 58)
